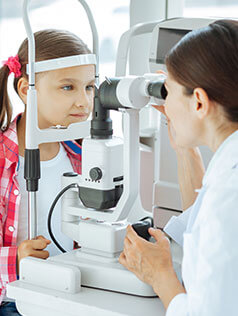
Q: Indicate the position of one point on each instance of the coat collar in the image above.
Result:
(224, 159)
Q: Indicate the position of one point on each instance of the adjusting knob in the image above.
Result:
(95, 174)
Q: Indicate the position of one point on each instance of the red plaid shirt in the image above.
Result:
(10, 200)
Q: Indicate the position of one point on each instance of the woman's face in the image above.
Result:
(65, 96)
(180, 109)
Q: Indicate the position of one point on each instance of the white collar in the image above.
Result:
(225, 158)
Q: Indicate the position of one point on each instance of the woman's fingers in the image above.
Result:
(161, 72)
(161, 109)
(156, 233)
(159, 236)
(131, 234)
(127, 243)
(122, 259)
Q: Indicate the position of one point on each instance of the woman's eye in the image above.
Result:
(90, 87)
(67, 88)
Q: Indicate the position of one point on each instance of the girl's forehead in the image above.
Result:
(82, 73)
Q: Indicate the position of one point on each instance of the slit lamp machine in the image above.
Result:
(98, 204)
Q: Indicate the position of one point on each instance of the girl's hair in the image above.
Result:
(208, 58)
(49, 44)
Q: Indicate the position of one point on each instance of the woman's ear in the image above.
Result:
(22, 87)
(202, 103)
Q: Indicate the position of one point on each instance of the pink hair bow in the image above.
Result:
(14, 65)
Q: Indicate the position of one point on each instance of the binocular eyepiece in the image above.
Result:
(129, 93)
(157, 89)
(132, 91)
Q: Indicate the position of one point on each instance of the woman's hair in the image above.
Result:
(208, 58)
(49, 44)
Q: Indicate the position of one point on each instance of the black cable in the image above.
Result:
(72, 185)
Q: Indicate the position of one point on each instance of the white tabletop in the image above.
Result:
(33, 301)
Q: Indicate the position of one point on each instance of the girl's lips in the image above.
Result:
(79, 115)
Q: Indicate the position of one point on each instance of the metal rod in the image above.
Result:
(94, 35)
(32, 215)
(31, 43)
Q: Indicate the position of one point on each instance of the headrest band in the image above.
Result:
(64, 62)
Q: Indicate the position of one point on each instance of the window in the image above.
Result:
(211, 8)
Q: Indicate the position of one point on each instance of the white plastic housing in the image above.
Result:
(129, 204)
(107, 154)
(188, 24)
(50, 275)
(131, 92)
(105, 274)
(106, 238)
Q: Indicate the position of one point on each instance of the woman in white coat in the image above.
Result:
(202, 109)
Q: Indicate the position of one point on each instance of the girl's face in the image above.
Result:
(65, 96)
(181, 110)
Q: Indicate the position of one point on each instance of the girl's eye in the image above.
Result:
(67, 88)
(90, 87)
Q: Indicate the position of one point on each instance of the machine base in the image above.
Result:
(104, 273)
(32, 300)
(52, 288)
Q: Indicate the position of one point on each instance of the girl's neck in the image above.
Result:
(47, 151)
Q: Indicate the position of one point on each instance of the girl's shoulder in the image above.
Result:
(73, 148)
(74, 151)
(8, 146)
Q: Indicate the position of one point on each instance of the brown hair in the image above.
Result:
(208, 58)
(49, 44)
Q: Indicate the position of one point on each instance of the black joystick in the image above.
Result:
(141, 228)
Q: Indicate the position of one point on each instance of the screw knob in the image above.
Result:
(95, 174)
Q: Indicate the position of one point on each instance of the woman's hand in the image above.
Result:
(190, 165)
(34, 248)
(161, 108)
(152, 263)
(171, 130)
(146, 259)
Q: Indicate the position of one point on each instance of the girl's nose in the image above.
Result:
(83, 108)
(79, 105)
(82, 99)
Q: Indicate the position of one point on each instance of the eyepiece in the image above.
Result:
(157, 89)
(101, 123)
(107, 93)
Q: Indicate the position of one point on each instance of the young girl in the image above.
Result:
(65, 96)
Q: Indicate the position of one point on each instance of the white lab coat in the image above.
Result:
(210, 241)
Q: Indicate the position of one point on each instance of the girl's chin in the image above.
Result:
(78, 118)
